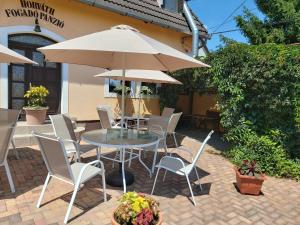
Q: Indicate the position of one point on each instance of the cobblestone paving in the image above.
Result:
(219, 203)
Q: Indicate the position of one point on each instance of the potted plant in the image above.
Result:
(137, 209)
(145, 91)
(249, 177)
(36, 108)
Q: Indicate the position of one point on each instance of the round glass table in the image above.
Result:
(131, 139)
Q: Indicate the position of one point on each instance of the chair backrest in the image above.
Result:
(158, 123)
(63, 127)
(8, 120)
(173, 122)
(197, 156)
(104, 118)
(109, 111)
(167, 112)
(55, 157)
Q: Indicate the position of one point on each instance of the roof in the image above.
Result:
(148, 11)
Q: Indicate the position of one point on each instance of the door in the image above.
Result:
(21, 76)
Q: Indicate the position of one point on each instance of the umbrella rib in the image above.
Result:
(156, 56)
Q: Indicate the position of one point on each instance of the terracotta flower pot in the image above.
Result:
(249, 184)
(35, 116)
(114, 222)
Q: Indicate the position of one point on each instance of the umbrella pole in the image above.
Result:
(123, 101)
(139, 109)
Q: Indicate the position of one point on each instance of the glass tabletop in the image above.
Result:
(112, 137)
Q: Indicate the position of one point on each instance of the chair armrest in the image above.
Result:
(96, 162)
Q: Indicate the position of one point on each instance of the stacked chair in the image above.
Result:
(8, 121)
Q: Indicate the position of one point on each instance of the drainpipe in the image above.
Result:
(195, 32)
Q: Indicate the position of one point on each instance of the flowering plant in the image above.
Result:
(137, 209)
(36, 97)
(250, 168)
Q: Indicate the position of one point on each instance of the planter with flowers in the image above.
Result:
(137, 209)
(36, 108)
(249, 178)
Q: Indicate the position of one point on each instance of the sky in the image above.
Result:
(212, 13)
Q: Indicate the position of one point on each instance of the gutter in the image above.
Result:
(195, 32)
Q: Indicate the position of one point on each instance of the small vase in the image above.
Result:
(249, 184)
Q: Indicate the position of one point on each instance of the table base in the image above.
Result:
(115, 179)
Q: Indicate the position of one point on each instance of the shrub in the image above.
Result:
(258, 89)
(36, 97)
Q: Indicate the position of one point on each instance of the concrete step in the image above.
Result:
(23, 133)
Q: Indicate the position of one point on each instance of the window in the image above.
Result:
(173, 5)
(111, 84)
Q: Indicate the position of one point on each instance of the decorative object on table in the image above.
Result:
(137, 209)
(249, 178)
(36, 108)
(145, 91)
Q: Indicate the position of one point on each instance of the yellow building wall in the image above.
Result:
(85, 91)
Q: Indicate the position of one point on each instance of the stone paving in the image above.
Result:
(219, 203)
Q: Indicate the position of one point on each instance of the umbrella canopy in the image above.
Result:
(121, 47)
(149, 76)
(9, 56)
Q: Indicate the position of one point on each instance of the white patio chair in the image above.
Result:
(167, 112)
(106, 117)
(177, 166)
(54, 155)
(63, 129)
(173, 122)
(8, 120)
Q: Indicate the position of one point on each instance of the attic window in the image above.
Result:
(173, 5)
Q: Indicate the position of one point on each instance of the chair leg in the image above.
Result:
(154, 160)
(190, 187)
(15, 149)
(10, 180)
(141, 161)
(155, 180)
(43, 191)
(130, 158)
(165, 175)
(104, 185)
(198, 178)
(98, 152)
(175, 140)
(71, 203)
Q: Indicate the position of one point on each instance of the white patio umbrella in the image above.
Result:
(149, 76)
(10, 56)
(121, 47)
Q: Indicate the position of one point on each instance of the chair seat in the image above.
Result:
(89, 172)
(175, 166)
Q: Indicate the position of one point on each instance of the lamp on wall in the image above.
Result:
(37, 27)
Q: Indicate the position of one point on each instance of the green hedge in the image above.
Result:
(258, 89)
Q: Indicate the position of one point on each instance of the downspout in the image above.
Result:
(195, 32)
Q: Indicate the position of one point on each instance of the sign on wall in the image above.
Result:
(37, 10)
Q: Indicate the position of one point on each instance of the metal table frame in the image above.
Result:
(122, 148)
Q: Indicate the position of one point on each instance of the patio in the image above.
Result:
(218, 203)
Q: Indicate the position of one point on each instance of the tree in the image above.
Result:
(281, 24)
